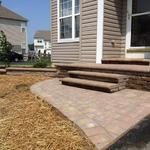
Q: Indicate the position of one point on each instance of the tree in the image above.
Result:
(5, 49)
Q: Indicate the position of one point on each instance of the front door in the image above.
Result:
(138, 24)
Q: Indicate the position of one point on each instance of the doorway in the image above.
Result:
(138, 24)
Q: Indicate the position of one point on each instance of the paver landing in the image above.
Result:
(103, 117)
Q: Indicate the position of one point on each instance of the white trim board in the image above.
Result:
(100, 28)
(128, 24)
(144, 55)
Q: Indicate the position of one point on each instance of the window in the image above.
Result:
(39, 41)
(23, 45)
(23, 29)
(140, 33)
(68, 20)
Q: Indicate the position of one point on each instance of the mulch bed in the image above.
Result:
(27, 122)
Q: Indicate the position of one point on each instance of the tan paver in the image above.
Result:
(103, 117)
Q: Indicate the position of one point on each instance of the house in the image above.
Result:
(92, 30)
(15, 29)
(42, 42)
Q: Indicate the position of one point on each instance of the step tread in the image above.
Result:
(128, 61)
(2, 70)
(98, 74)
(90, 83)
(106, 67)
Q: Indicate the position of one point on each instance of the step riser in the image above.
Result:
(91, 87)
(95, 78)
(106, 70)
(2, 72)
(122, 87)
(143, 63)
(133, 75)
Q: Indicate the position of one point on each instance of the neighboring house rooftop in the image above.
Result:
(8, 14)
(46, 35)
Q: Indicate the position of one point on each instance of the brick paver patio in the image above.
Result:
(103, 117)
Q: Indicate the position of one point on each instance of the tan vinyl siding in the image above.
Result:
(13, 32)
(124, 23)
(88, 30)
(85, 49)
(114, 28)
(62, 52)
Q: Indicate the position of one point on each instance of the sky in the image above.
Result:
(36, 11)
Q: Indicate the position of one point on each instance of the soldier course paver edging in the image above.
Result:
(103, 117)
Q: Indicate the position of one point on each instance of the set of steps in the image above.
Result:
(107, 77)
(100, 81)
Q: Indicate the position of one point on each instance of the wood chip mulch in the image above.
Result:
(29, 123)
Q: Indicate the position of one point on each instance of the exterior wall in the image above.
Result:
(114, 28)
(12, 29)
(88, 30)
(85, 50)
(39, 46)
(124, 26)
(48, 47)
(62, 52)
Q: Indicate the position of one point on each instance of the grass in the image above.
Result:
(19, 64)
(29, 123)
(23, 64)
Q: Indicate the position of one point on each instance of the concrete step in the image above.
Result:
(134, 70)
(128, 61)
(98, 76)
(93, 85)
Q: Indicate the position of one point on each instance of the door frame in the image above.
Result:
(128, 24)
(129, 27)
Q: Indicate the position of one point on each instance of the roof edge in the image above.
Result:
(15, 19)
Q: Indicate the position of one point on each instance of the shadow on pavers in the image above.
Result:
(137, 139)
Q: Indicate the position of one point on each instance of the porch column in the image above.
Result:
(100, 28)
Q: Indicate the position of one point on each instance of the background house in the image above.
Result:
(15, 28)
(92, 30)
(42, 42)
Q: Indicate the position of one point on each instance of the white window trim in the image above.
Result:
(139, 47)
(129, 25)
(73, 39)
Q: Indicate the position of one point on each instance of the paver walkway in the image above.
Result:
(103, 117)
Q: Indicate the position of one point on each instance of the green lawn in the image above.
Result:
(17, 64)
(21, 64)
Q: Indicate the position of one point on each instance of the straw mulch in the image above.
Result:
(29, 123)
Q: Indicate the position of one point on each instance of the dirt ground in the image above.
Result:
(29, 123)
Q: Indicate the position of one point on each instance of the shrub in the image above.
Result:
(40, 64)
(5, 49)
